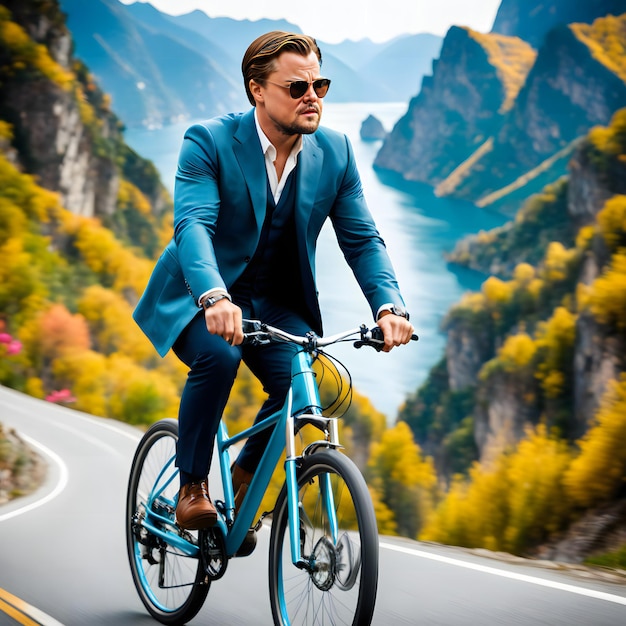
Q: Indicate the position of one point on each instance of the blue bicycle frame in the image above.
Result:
(302, 403)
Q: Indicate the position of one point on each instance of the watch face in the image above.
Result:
(401, 311)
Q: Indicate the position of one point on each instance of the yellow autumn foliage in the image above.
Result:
(555, 340)
(599, 472)
(606, 40)
(515, 502)
(517, 352)
(108, 315)
(405, 480)
(25, 53)
(606, 297)
(612, 221)
(512, 57)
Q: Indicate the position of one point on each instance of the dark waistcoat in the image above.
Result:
(273, 273)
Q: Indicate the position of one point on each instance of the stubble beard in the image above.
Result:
(301, 128)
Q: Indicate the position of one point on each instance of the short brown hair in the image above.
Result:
(258, 61)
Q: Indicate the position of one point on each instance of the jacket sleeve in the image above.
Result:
(196, 210)
(360, 241)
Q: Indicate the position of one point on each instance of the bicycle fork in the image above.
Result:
(293, 497)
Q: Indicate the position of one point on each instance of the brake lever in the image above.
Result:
(372, 338)
(375, 340)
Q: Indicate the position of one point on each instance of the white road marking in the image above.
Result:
(534, 580)
(59, 487)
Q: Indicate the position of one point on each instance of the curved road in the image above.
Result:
(63, 559)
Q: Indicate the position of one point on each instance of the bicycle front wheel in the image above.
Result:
(171, 584)
(338, 541)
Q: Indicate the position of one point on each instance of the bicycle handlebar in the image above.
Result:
(257, 333)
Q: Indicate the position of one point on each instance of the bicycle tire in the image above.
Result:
(184, 585)
(342, 588)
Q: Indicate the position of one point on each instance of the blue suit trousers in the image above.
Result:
(213, 365)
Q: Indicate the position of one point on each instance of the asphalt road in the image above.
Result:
(63, 558)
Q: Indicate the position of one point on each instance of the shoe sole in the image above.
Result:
(199, 523)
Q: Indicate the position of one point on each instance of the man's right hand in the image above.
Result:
(224, 319)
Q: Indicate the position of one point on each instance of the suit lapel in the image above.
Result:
(247, 150)
(309, 171)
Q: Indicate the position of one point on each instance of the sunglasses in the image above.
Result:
(299, 87)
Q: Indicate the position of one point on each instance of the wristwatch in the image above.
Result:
(210, 301)
(400, 311)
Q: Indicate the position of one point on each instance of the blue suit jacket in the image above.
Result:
(220, 203)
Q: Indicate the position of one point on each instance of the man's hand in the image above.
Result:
(224, 319)
(396, 330)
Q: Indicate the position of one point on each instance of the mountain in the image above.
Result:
(497, 121)
(536, 358)
(355, 53)
(49, 126)
(153, 78)
(160, 68)
(459, 108)
(531, 21)
(229, 34)
(396, 69)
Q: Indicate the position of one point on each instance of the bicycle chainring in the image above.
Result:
(213, 553)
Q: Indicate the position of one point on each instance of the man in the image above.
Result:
(252, 193)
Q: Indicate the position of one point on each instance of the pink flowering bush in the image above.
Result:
(62, 396)
(13, 346)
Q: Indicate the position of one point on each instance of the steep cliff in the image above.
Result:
(154, 75)
(499, 150)
(63, 130)
(41, 99)
(531, 20)
(459, 107)
(534, 346)
(572, 86)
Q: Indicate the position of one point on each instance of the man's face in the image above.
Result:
(275, 106)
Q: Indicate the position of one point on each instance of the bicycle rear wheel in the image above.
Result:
(171, 584)
(339, 586)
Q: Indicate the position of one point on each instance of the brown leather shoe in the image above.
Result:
(195, 509)
(241, 482)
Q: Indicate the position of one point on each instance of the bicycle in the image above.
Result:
(323, 555)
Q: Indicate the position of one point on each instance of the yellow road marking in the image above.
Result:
(18, 616)
(24, 613)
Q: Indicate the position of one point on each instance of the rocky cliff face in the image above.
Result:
(458, 136)
(531, 20)
(591, 184)
(504, 405)
(457, 110)
(52, 139)
(467, 350)
(567, 92)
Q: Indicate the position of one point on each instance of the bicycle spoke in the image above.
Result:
(339, 586)
(170, 583)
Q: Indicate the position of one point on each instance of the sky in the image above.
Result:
(333, 21)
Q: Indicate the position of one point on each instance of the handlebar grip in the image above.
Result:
(376, 339)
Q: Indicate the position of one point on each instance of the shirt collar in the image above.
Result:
(267, 146)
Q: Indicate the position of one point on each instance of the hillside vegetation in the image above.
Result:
(533, 433)
(69, 281)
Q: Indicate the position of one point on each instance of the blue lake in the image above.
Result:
(418, 229)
